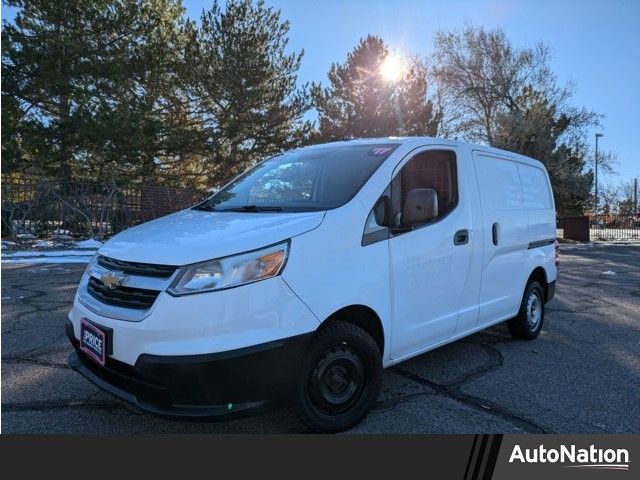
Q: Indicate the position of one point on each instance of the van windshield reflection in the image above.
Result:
(309, 179)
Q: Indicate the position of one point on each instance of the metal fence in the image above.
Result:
(614, 227)
(603, 228)
(81, 209)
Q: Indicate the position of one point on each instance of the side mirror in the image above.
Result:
(420, 206)
(381, 211)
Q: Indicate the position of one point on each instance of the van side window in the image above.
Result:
(426, 182)
(535, 189)
(500, 182)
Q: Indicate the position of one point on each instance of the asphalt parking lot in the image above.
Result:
(582, 375)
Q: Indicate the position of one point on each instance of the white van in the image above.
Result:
(308, 274)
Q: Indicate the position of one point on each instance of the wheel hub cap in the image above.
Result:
(338, 381)
(337, 378)
(534, 309)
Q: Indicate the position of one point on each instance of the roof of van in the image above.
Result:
(429, 140)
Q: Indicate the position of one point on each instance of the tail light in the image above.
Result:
(557, 245)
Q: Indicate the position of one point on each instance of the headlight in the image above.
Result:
(230, 271)
(92, 263)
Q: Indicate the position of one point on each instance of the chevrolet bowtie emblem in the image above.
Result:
(112, 280)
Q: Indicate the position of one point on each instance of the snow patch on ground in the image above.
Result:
(38, 260)
(45, 244)
(8, 244)
(51, 256)
(57, 246)
(48, 269)
(90, 243)
(619, 241)
(50, 253)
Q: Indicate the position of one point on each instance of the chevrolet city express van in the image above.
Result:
(308, 274)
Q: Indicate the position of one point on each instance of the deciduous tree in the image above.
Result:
(509, 98)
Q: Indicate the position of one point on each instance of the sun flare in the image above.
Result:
(392, 68)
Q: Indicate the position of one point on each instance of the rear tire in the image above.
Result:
(339, 379)
(528, 323)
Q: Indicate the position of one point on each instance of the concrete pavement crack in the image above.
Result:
(392, 403)
(494, 362)
(452, 390)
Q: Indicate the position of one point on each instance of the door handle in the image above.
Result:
(494, 233)
(461, 237)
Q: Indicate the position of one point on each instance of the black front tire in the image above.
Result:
(339, 379)
(528, 323)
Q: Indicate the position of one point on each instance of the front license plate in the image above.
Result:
(93, 341)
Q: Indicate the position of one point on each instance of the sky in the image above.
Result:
(595, 44)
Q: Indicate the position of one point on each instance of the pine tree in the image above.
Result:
(44, 63)
(243, 83)
(93, 87)
(359, 102)
(143, 128)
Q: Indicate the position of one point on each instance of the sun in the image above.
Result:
(392, 68)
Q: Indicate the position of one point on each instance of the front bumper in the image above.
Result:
(220, 321)
(199, 386)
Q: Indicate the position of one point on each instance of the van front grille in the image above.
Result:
(126, 297)
(136, 268)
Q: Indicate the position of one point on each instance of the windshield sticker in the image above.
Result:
(379, 151)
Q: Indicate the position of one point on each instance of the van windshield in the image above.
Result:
(308, 179)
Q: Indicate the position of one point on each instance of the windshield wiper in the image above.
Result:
(251, 208)
(203, 206)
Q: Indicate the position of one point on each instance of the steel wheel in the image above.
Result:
(534, 309)
(337, 382)
(528, 323)
(339, 378)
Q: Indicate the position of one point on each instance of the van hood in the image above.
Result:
(191, 236)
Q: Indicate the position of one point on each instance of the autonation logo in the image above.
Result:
(590, 458)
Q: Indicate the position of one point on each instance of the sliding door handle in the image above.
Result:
(461, 237)
(495, 231)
